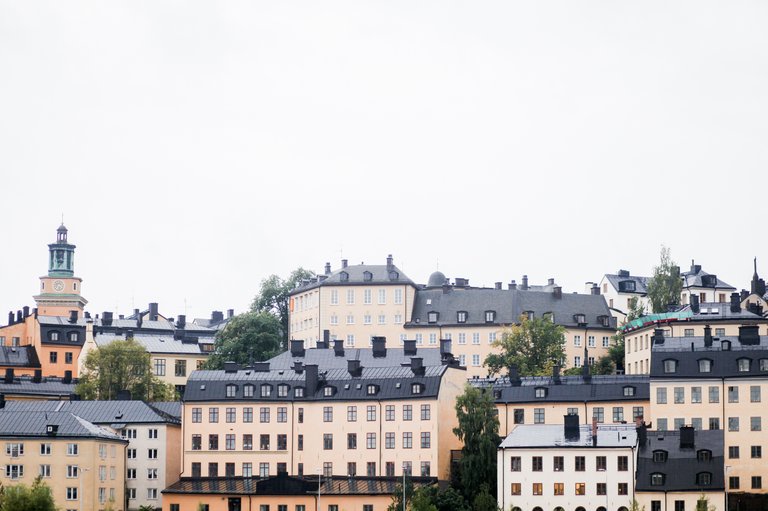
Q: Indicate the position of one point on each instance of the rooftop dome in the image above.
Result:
(437, 279)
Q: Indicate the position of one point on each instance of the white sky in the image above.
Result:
(197, 147)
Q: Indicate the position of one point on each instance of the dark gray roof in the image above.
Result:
(161, 325)
(571, 389)
(724, 362)
(60, 320)
(380, 274)
(392, 383)
(641, 283)
(716, 311)
(170, 408)
(19, 356)
(327, 359)
(99, 412)
(682, 464)
(33, 424)
(292, 485)
(508, 305)
(49, 387)
(695, 278)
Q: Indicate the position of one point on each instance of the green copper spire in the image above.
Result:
(61, 261)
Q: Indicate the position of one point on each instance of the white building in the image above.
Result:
(568, 467)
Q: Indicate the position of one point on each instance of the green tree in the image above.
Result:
(635, 309)
(273, 296)
(665, 286)
(121, 365)
(478, 429)
(20, 497)
(251, 336)
(534, 345)
(702, 504)
(398, 494)
(484, 500)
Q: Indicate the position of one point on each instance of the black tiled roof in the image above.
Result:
(693, 278)
(381, 274)
(508, 305)
(292, 485)
(169, 408)
(327, 359)
(682, 464)
(571, 389)
(641, 283)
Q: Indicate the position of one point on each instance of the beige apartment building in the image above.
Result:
(718, 384)
(337, 411)
(83, 464)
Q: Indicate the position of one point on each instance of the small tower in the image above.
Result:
(60, 289)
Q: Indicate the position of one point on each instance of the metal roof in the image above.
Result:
(34, 423)
(326, 358)
(572, 389)
(48, 387)
(380, 275)
(99, 412)
(724, 363)
(157, 343)
(19, 356)
(547, 435)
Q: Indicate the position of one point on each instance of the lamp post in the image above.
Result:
(404, 472)
(319, 485)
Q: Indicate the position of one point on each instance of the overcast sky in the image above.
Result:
(195, 148)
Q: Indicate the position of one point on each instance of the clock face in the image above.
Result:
(58, 285)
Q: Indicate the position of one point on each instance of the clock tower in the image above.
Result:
(60, 289)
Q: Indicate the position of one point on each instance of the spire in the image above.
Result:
(586, 373)
(61, 261)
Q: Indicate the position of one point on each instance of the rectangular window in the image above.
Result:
(695, 394)
(623, 489)
(389, 440)
(756, 451)
(159, 367)
(538, 415)
(661, 395)
(407, 412)
(754, 394)
(515, 489)
(248, 442)
(714, 394)
(282, 414)
(197, 415)
(230, 414)
(180, 368)
(714, 423)
(733, 394)
(426, 441)
(733, 483)
(264, 442)
(196, 442)
(598, 413)
(213, 442)
(426, 412)
(229, 442)
(351, 413)
(407, 440)
(580, 464)
(755, 424)
(370, 440)
(327, 414)
(623, 463)
(558, 464)
(370, 412)
(580, 489)
(757, 482)
(213, 415)
(679, 393)
(518, 416)
(733, 423)
(328, 441)
(264, 414)
(602, 489)
(618, 414)
(351, 440)
(537, 463)
(537, 489)
(601, 463)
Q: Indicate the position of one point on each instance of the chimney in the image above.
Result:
(217, 316)
(390, 264)
(695, 303)
(2, 401)
(557, 292)
(123, 395)
(550, 282)
(512, 285)
(139, 320)
(311, 379)
(322, 345)
(749, 335)
(497, 286)
(461, 282)
(231, 367)
(624, 274)
(417, 366)
(409, 347)
(658, 336)
(298, 366)
(338, 348)
(695, 268)
(38, 377)
(379, 345)
(230, 313)
(327, 337)
(445, 347)
(735, 303)
(595, 290)
(524, 287)
(106, 318)
(707, 336)
(153, 311)
(556, 374)
(594, 431)
(25, 311)
(586, 374)
(642, 431)
(297, 348)
(343, 263)
(10, 318)
(19, 317)
(514, 376)
(129, 334)
(446, 287)
(571, 428)
(687, 437)
(137, 313)
(261, 367)
(181, 322)
(354, 367)
(327, 268)
(8, 375)
(67, 377)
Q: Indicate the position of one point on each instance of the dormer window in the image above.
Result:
(670, 365)
(704, 478)
(540, 392)
(298, 392)
(657, 479)
(629, 390)
(393, 275)
(529, 315)
(417, 388)
(231, 390)
(627, 286)
(372, 389)
(282, 390)
(266, 390)
(704, 455)
(659, 456)
(580, 319)
(461, 317)
(344, 276)
(432, 317)
(604, 320)
(329, 390)
(490, 316)
(549, 316)
(764, 364)
(248, 390)
(743, 364)
(705, 365)
(54, 336)
(367, 276)
(73, 336)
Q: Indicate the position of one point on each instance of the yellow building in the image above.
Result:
(339, 411)
(83, 464)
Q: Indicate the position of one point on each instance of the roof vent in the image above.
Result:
(51, 429)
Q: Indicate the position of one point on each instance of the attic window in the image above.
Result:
(670, 365)
(298, 392)
(393, 275)
(705, 365)
(490, 316)
(540, 392)
(604, 320)
(282, 390)
(627, 286)
(704, 478)
(704, 455)
(202, 386)
(432, 317)
(549, 316)
(266, 390)
(764, 364)
(367, 276)
(461, 317)
(372, 389)
(581, 319)
(659, 456)
(629, 390)
(231, 390)
(529, 315)
(417, 388)
(54, 336)
(657, 479)
(247, 390)
(343, 276)
(743, 364)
